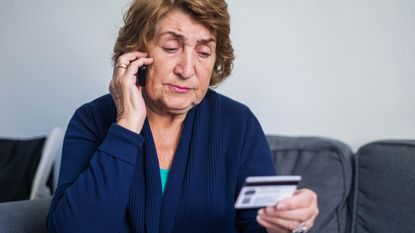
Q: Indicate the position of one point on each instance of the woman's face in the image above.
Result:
(184, 54)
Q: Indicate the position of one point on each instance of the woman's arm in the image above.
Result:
(256, 160)
(95, 175)
(96, 171)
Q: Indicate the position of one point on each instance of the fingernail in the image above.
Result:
(260, 211)
(258, 218)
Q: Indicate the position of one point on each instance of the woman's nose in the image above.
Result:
(185, 68)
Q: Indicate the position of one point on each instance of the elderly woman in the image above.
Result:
(170, 156)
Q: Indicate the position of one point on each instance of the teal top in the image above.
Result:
(164, 174)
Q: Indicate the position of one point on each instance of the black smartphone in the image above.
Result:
(141, 75)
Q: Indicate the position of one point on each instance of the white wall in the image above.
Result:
(342, 69)
(54, 56)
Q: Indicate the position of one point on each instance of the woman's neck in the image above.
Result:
(166, 131)
(165, 122)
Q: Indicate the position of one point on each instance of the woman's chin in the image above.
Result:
(178, 109)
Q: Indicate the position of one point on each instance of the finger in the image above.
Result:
(296, 218)
(309, 223)
(133, 67)
(124, 61)
(280, 222)
(296, 214)
(302, 198)
(127, 58)
(270, 226)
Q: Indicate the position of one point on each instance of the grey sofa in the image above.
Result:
(370, 191)
(24, 216)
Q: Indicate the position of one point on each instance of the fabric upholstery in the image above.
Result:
(24, 216)
(326, 168)
(385, 188)
(18, 163)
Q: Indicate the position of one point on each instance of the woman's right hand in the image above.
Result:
(131, 109)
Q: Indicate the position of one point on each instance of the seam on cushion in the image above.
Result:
(355, 193)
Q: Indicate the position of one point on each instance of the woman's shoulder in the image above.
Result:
(96, 115)
(228, 106)
(103, 106)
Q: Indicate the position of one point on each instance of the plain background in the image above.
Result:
(339, 69)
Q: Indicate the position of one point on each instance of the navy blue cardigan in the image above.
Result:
(110, 181)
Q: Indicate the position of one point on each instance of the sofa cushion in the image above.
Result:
(24, 216)
(326, 168)
(385, 188)
(18, 163)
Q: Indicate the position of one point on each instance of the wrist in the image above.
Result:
(134, 124)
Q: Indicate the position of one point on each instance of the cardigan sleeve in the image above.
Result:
(95, 175)
(256, 160)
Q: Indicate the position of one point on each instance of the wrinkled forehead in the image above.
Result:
(182, 25)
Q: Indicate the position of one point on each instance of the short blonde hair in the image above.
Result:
(141, 19)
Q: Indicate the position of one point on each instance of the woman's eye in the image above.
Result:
(204, 51)
(204, 54)
(170, 49)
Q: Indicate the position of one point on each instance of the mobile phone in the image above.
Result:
(262, 191)
(141, 75)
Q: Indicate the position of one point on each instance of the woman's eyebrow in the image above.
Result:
(174, 34)
(206, 41)
(181, 37)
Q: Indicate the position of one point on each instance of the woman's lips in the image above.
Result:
(179, 89)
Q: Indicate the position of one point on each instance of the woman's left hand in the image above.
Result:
(289, 213)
